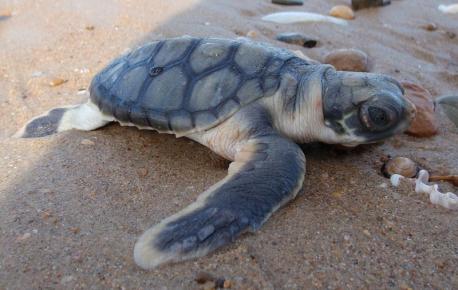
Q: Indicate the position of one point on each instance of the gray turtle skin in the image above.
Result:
(250, 103)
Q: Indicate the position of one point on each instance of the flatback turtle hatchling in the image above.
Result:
(248, 102)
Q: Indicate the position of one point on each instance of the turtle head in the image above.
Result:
(363, 107)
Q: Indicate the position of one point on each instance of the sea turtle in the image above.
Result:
(248, 102)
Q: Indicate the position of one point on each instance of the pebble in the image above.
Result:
(450, 34)
(251, 34)
(360, 4)
(142, 172)
(348, 60)
(288, 2)
(449, 9)
(342, 11)
(203, 277)
(87, 142)
(57, 82)
(424, 124)
(4, 14)
(227, 284)
(90, 27)
(67, 279)
(367, 233)
(82, 92)
(75, 230)
(430, 26)
(209, 285)
(23, 237)
(297, 38)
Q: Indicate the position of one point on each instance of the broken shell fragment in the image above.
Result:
(400, 165)
(453, 179)
(298, 17)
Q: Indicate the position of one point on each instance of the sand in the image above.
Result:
(71, 210)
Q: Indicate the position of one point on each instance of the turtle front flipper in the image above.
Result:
(267, 172)
(82, 117)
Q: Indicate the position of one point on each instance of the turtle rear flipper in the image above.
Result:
(267, 172)
(84, 117)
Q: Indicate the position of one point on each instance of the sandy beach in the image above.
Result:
(73, 204)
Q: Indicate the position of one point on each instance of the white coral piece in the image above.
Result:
(448, 200)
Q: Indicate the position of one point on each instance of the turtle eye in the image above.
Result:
(377, 117)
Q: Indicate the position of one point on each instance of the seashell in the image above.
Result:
(294, 17)
(448, 9)
(400, 165)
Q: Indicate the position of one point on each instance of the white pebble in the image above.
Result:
(82, 92)
(449, 9)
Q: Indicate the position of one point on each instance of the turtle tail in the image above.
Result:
(82, 117)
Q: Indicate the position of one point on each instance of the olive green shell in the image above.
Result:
(184, 85)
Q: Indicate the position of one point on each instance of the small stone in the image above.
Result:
(337, 194)
(342, 11)
(219, 283)
(203, 277)
(209, 285)
(90, 27)
(450, 34)
(251, 34)
(348, 60)
(367, 233)
(297, 38)
(37, 74)
(82, 92)
(67, 279)
(75, 230)
(23, 237)
(227, 284)
(288, 2)
(142, 172)
(4, 14)
(360, 4)
(46, 214)
(383, 185)
(405, 287)
(424, 124)
(87, 142)
(430, 26)
(57, 82)
(77, 257)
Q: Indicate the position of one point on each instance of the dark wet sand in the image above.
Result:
(70, 213)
